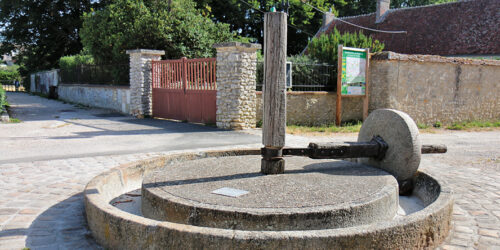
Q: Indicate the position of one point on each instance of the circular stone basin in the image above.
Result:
(116, 229)
(311, 194)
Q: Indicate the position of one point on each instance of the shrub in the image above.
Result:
(70, 62)
(9, 74)
(3, 98)
(325, 47)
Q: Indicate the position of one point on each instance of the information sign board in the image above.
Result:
(353, 71)
(352, 77)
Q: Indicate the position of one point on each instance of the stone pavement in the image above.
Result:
(41, 204)
(472, 169)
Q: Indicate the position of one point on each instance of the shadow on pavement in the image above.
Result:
(62, 226)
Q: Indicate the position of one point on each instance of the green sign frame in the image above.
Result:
(352, 78)
(353, 71)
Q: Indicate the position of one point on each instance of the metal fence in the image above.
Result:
(306, 77)
(113, 74)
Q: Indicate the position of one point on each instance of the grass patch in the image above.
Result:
(437, 124)
(211, 124)
(422, 126)
(259, 124)
(473, 125)
(14, 120)
(39, 94)
(354, 127)
(348, 127)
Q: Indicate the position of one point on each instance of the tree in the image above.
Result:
(247, 19)
(43, 30)
(174, 26)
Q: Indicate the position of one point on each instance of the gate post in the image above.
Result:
(141, 79)
(236, 72)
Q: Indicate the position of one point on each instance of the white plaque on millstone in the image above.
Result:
(231, 192)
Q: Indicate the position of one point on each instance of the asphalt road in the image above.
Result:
(54, 130)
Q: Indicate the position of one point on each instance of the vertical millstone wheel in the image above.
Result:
(400, 132)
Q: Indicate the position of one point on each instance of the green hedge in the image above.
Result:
(9, 74)
(324, 48)
(3, 99)
(71, 62)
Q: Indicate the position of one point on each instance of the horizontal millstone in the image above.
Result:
(311, 194)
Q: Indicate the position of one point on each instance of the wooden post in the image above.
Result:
(367, 77)
(274, 91)
(338, 113)
(184, 74)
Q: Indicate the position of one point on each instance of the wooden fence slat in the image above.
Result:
(192, 74)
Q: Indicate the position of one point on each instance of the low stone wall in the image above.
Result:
(109, 97)
(316, 108)
(429, 88)
(41, 81)
(435, 88)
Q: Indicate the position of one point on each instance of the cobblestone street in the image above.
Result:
(41, 204)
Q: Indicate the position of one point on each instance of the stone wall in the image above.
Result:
(236, 70)
(316, 108)
(109, 97)
(434, 88)
(41, 81)
(428, 88)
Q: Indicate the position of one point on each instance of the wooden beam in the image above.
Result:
(274, 89)
(367, 85)
(338, 113)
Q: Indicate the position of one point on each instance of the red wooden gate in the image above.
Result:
(185, 89)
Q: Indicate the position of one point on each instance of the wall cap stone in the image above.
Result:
(305, 92)
(389, 55)
(255, 46)
(146, 52)
(94, 86)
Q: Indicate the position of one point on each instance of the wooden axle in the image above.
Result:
(375, 148)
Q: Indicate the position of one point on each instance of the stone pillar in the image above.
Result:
(236, 72)
(141, 80)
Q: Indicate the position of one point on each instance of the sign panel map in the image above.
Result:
(353, 72)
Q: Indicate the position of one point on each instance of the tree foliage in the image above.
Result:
(43, 30)
(247, 18)
(174, 26)
(70, 62)
(325, 47)
(9, 74)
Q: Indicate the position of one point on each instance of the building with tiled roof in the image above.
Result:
(453, 29)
